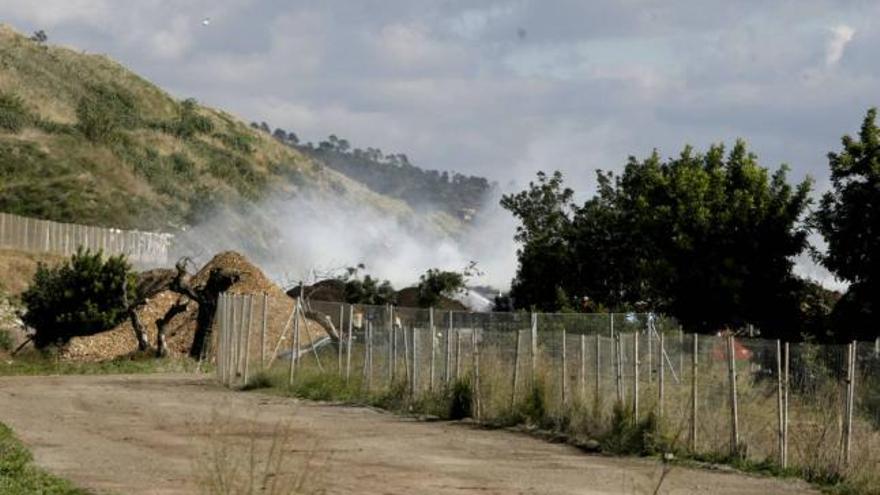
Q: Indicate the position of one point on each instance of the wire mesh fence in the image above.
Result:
(31, 234)
(812, 407)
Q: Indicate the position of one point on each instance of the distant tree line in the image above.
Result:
(394, 175)
(710, 239)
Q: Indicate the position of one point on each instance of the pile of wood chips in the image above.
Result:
(120, 341)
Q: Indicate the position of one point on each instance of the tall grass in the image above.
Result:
(593, 415)
(248, 459)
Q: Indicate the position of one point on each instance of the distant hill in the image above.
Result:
(83, 139)
(394, 175)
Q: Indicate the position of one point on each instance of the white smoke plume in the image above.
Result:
(307, 238)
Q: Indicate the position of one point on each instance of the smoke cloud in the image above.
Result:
(310, 237)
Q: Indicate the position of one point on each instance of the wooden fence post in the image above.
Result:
(406, 371)
(457, 353)
(779, 405)
(734, 413)
(596, 397)
(618, 368)
(433, 346)
(294, 343)
(392, 354)
(369, 356)
(348, 344)
(533, 349)
(263, 331)
(340, 339)
(661, 379)
(785, 407)
(515, 369)
(247, 339)
(850, 394)
(583, 377)
(478, 403)
(636, 376)
(694, 377)
(415, 360)
(564, 371)
(449, 349)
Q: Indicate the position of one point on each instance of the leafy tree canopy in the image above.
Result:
(849, 219)
(707, 237)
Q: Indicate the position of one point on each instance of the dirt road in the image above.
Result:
(145, 434)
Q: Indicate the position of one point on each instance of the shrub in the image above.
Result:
(189, 122)
(104, 111)
(462, 399)
(13, 114)
(6, 343)
(87, 294)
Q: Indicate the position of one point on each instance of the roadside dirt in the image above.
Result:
(144, 434)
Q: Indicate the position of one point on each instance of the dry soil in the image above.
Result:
(144, 434)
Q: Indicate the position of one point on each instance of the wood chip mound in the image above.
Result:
(180, 333)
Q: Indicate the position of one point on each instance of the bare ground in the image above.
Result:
(143, 435)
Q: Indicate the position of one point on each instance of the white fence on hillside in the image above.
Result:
(44, 236)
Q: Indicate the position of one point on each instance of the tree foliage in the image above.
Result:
(435, 284)
(393, 174)
(85, 295)
(707, 237)
(365, 289)
(849, 219)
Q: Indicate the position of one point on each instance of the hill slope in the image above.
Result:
(82, 139)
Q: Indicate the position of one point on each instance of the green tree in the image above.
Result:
(85, 295)
(707, 237)
(364, 289)
(435, 284)
(545, 213)
(849, 219)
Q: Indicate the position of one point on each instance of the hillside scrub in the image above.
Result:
(105, 147)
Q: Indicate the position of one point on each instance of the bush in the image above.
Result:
(85, 295)
(462, 400)
(189, 122)
(13, 114)
(103, 112)
(6, 343)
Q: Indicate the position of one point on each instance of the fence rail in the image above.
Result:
(812, 407)
(44, 236)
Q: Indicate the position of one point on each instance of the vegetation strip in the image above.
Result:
(19, 475)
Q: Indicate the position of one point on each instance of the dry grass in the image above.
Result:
(815, 413)
(254, 459)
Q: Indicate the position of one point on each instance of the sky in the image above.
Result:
(506, 88)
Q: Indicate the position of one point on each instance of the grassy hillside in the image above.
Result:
(82, 139)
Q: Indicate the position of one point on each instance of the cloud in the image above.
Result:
(841, 35)
(452, 85)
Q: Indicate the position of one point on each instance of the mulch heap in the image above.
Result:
(180, 333)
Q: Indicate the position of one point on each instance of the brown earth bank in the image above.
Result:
(144, 434)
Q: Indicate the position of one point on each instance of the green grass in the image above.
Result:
(19, 475)
(36, 363)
